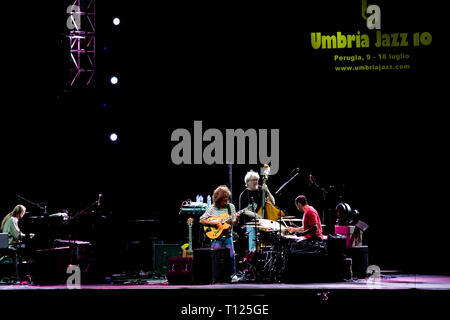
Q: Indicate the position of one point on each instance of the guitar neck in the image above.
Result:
(190, 240)
(230, 216)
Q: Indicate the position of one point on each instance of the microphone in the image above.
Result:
(295, 171)
(312, 181)
(99, 198)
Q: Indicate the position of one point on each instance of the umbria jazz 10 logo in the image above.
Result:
(373, 15)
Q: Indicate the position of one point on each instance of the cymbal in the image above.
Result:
(252, 214)
(288, 217)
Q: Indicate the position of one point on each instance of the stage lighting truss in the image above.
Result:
(81, 34)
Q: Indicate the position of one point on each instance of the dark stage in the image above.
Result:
(391, 296)
(346, 103)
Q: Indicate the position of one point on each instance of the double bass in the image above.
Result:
(268, 210)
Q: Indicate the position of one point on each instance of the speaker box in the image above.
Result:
(337, 246)
(360, 260)
(179, 270)
(306, 267)
(161, 255)
(212, 266)
(50, 266)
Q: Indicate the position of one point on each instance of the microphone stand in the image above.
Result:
(71, 244)
(256, 229)
(284, 184)
(324, 197)
(37, 205)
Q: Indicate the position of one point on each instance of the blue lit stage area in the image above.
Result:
(109, 152)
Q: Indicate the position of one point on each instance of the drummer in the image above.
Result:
(312, 226)
(252, 195)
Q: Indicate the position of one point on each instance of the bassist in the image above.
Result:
(252, 195)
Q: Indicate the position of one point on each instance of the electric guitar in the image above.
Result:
(189, 253)
(224, 221)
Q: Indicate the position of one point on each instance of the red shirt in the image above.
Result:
(310, 218)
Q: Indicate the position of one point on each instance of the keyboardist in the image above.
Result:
(10, 225)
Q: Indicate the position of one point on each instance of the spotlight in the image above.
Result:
(116, 21)
(114, 80)
(113, 137)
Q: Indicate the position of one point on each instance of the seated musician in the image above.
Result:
(312, 227)
(10, 225)
(252, 195)
(221, 205)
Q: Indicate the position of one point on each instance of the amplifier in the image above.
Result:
(337, 246)
(161, 255)
(212, 266)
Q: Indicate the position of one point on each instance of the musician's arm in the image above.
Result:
(268, 194)
(235, 216)
(301, 232)
(207, 222)
(15, 231)
(208, 214)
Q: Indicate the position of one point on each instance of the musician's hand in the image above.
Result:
(292, 230)
(215, 223)
(264, 187)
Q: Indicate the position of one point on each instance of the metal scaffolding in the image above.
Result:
(81, 34)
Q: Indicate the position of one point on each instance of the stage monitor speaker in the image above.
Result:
(161, 255)
(360, 260)
(212, 266)
(179, 270)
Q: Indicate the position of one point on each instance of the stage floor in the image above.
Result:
(392, 296)
(396, 282)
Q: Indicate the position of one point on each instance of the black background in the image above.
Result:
(379, 134)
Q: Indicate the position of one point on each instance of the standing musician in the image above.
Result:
(221, 205)
(253, 195)
(312, 227)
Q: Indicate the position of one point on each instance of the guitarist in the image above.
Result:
(221, 205)
(252, 194)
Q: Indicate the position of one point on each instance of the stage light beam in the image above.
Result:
(114, 80)
(116, 21)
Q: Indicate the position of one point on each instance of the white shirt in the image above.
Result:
(11, 227)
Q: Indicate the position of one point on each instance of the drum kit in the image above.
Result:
(274, 226)
(268, 262)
